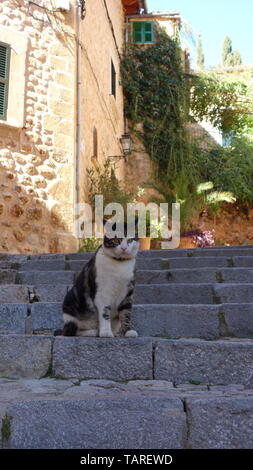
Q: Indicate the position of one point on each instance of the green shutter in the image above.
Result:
(143, 31)
(4, 78)
(137, 31)
(148, 32)
(113, 80)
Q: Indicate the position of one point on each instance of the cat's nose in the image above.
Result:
(123, 249)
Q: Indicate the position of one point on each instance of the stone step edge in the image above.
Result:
(188, 404)
(136, 358)
(219, 310)
(4, 256)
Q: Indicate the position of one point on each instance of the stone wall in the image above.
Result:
(38, 139)
(139, 168)
(36, 155)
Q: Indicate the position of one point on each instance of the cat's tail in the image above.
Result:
(58, 332)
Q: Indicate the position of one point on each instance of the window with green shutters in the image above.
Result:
(143, 31)
(4, 78)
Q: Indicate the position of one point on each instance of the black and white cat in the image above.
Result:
(100, 302)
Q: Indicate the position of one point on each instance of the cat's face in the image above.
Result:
(121, 246)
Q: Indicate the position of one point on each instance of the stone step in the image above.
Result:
(170, 293)
(144, 262)
(13, 294)
(180, 275)
(8, 276)
(102, 414)
(171, 321)
(146, 293)
(220, 362)
(173, 293)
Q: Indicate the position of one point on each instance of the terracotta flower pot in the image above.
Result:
(145, 243)
(186, 242)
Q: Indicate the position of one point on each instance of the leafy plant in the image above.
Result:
(103, 181)
(156, 95)
(90, 244)
(226, 104)
(230, 169)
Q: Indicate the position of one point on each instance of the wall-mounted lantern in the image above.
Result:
(126, 143)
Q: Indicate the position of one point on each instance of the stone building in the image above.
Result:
(61, 111)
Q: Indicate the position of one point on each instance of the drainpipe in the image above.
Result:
(78, 115)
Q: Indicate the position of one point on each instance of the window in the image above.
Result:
(95, 143)
(113, 80)
(227, 138)
(4, 78)
(143, 31)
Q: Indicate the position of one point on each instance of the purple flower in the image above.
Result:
(204, 238)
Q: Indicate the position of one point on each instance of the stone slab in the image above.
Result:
(7, 276)
(237, 275)
(46, 316)
(207, 275)
(13, 318)
(234, 293)
(13, 294)
(174, 293)
(220, 423)
(45, 277)
(103, 358)
(51, 293)
(43, 264)
(205, 362)
(24, 355)
(175, 321)
(134, 422)
(239, 319)
(246, 261)
(246, 250)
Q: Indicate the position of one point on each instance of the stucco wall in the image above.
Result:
(99, 109)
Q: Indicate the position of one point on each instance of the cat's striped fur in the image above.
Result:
(100, 301)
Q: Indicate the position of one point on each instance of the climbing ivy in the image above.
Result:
(157, 95)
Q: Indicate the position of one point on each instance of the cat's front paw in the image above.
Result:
(106, 334)
(131, 334)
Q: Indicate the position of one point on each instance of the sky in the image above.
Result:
(214, 20)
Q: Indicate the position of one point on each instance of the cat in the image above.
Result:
(100, 301)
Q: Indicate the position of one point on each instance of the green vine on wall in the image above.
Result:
(157, 95)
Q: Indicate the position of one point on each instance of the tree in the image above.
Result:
(200, 55)
(237, 58)
(226, 51)
(230, 58)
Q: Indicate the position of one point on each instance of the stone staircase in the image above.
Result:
(185, 382)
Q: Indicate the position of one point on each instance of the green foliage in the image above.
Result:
(200, 55)
(237, 58)
(6, 428)
(193, 199)
(104, 181)
(90, 244)
(230, 58)
(226, 51)
(225, 104)
(230, 169)
(156, 94)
